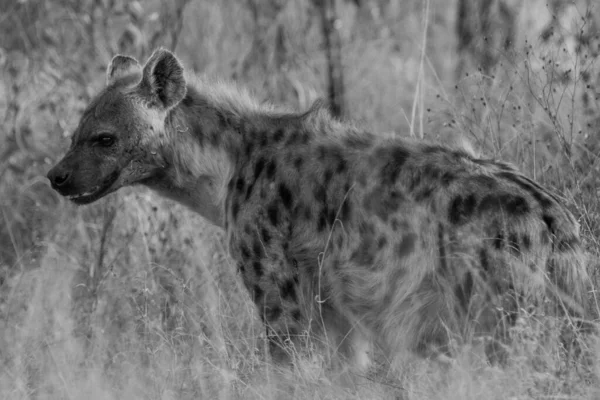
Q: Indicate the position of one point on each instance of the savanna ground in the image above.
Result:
(135, 297)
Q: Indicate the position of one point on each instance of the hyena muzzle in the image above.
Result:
(334, 230)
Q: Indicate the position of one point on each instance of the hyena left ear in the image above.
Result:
(121, 67)
(163, 79)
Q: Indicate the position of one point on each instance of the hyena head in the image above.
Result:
(115, 142)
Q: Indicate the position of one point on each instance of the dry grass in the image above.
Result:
(135, 298)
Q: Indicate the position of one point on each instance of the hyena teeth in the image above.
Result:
(85, 194)
(393, 240)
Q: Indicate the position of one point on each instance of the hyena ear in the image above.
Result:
(163, 79)
(121, 67)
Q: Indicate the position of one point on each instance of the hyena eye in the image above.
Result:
(105, 140)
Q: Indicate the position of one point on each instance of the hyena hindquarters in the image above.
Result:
(474, 243)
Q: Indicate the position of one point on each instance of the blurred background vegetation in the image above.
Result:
(135, 297)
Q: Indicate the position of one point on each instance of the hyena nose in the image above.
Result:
(58, 177)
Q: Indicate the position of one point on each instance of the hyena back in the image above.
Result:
(333, 229)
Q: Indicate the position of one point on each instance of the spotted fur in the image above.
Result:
(333, 229)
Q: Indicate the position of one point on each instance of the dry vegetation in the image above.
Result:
(135, 297)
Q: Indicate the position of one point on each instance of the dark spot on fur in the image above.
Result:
(258, 268)
(339, 241)
(292, 331)
(345, 210)
(327, 177)
(406, 245)
(567, 244)
(245, 251)
(497, 287)
(273, 214)
(461, 209)
(396, 157)
(278, 135)
(241, 268)
(366, 229)
(395, 224)
(273, 313)
(288, 290)
(331, 215)
(489, 203)
(297, 138)
(513, 205)
(549, 221)
(513, 243)
(322, 222)
(257, 247)
(223, 120)
(484, 260)
(432, 173)
(335, 264)
(263, 139)
(415, 181)
(271, 168)
(499, 241)
(381, 242)
(304, 138)
(320, 194)
(266, 236)
(341, 167)
(248, 229)
(296, 315)
(240, 185)
(249, 190)
(424, 194)
(321, 153)
(365, 253)
(447, 178)
(249, 149)
(307, 213)
(286, 196)
(383, 204)
(526, 242)
(258, 294)
(298, 162)
(260, 164)
(235, 209)
(215, 140)
(532, 267)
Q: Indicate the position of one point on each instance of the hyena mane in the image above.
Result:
(333, 229)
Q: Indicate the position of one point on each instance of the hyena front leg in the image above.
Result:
(275, 290)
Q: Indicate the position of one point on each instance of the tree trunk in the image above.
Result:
(333, 52)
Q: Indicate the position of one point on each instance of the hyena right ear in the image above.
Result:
(121, 67)
(163, 81)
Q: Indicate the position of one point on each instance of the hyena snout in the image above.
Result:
(59, 177)
(83, 182)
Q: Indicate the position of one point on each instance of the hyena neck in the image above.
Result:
(202, 145)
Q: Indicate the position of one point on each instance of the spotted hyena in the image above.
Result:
(335, 230)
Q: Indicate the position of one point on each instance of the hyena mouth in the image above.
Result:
(96, 192)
